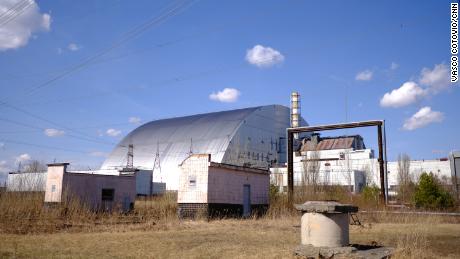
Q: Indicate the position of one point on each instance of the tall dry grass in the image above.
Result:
(26, 212)
(163, 207)
(280, 207)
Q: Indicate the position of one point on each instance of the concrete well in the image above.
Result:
(325, 233)
(325, 223)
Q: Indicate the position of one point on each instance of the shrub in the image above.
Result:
(273, 192)
(430, 195)
(371, 193)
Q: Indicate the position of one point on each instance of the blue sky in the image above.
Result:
(350, 61)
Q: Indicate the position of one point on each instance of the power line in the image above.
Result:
(98, 141)
(17, 12)
(41, 146)
(169, 81)
(148, 48)
(13, 8)
(169, 12)
(77, 128)
(43, 129)
(56, 124)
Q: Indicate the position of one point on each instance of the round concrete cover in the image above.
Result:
(326, 207)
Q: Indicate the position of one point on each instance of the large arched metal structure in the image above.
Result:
(253, 137)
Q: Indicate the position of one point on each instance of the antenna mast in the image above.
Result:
(191, 147)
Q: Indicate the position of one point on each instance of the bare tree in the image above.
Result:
(34, 166)
(311, 166)
(368, 174)
(404, 177)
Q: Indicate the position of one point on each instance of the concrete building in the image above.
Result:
(346, 161)
(145, 186)
(26, 182)
(454, 158)
(36, 181)
(438, 167)
(251, 137)
(343, 161)
(98, 191)
(216, 189)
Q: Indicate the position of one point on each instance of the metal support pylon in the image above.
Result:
(130, 157)
(157, 162)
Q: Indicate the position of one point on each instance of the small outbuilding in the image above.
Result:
(213, 189)
(26, 182)
(145, 186)
(98, 191)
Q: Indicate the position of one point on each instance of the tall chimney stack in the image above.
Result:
(295, 112)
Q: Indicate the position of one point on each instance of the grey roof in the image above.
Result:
(250, 137)
(203, 133)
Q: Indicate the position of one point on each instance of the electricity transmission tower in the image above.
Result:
(157, 162)
(130, 156)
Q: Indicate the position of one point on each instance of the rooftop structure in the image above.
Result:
(317, 143)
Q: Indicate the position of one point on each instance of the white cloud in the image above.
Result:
(98, 154)
(407, 94)
(436, 79)
(422, 118)
(433, 82)
(2, 145)
(394, 66)
(134, 120)
(365, 75)
(263, 56)
(113, 132)
(228, 95)
(73, 47)
(23, 158)
(20, 25)
(54, 132)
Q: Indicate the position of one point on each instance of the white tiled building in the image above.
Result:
(216, 188)
(346, 161)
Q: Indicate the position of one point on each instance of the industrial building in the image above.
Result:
(213, 189)
(36, 181)
(251, 137)
(331, 161)
(97, 191)
(345, 161)
(454, 158)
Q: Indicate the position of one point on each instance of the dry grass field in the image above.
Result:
(28, 230)
(228, 238)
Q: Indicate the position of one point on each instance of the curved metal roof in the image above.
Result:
(207, 133)
(244, 136)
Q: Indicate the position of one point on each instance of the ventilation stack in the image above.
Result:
(295, 112)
